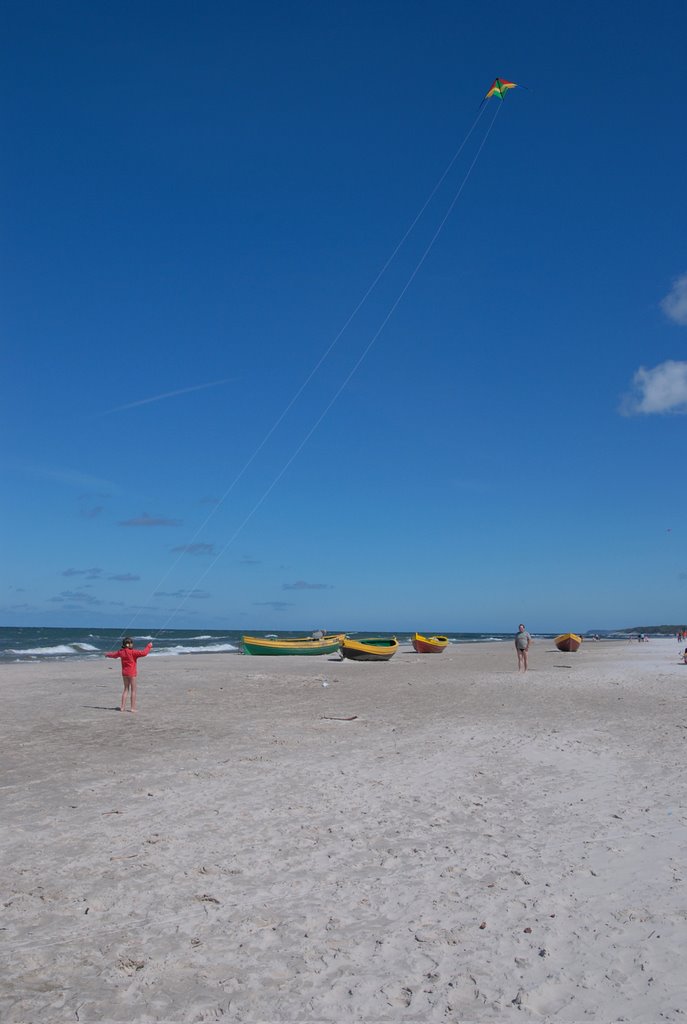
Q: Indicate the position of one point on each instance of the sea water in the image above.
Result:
(53, 643)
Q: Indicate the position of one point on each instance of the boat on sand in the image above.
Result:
(369, 648)
(308, 645)
(429, 644)
(568, 642)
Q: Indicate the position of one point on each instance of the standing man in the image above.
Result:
(522, 646)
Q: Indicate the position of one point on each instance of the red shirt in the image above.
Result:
(129, 658)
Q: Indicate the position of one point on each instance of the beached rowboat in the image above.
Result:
(292, 645)
(568, 641)
(369, 648)
(429, 644)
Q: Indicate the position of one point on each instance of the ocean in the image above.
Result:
(52, 643)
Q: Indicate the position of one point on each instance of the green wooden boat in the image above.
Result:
(369, 648)
(292, 645)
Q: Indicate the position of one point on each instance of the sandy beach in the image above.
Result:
(437, 838)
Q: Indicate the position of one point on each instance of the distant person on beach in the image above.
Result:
(129, 658)
(522, 646)
(684, 656)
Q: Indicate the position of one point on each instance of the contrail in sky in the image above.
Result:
(168, 394)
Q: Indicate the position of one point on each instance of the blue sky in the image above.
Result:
(197, 198)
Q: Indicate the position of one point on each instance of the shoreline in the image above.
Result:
(50, 644)
(257, 846)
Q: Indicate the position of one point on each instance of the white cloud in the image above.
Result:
(663, 389)
(169, 394)
(675, 303)
(302, 585)
(196, 549)
(183, 594)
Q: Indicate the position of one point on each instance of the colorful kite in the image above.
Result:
(499, 87)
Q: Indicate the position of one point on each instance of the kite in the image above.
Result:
(499, 87)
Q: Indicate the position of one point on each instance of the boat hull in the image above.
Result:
(369, 648)
(429, 644)
(568, 642)
(303, 645)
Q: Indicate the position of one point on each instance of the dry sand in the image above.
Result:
(473, 845)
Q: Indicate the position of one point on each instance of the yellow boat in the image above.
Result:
(369, 648)
(328, 644)
(429, 644)
(568, 642)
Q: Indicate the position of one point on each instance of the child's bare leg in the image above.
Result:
(127, 690)
(133, 693)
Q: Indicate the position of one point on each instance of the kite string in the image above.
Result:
(299, 391)
(351, 373)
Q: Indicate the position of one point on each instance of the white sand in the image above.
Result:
(476, 845)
